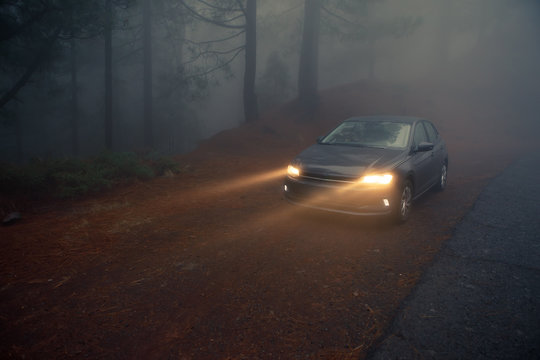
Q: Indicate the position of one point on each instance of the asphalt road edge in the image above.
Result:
(480, 297)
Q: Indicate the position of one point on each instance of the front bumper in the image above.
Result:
(339, 196)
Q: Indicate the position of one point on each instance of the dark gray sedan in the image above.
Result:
(369, 166)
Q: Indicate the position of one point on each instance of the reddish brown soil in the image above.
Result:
(212, 263)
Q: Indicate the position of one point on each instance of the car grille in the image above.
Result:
(327, 178)
(326, 194)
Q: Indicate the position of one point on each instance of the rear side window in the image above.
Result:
(431, 131)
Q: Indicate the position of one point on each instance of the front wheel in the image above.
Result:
(404, 202)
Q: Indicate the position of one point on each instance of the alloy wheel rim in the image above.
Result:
(443, 177)
(405, 201)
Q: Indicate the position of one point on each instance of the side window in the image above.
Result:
(431, 131)
(419, 134)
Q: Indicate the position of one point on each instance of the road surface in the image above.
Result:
(481, 297)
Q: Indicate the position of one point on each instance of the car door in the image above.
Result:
(422, 161)
(438, 150)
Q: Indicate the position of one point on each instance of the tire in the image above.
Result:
(443, 178)
(404, 202)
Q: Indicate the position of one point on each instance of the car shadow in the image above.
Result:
(314, 217)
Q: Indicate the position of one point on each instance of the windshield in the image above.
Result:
(385, 134)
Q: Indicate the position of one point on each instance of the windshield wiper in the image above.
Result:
(342, 144)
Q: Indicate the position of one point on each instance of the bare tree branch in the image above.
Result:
(242, 7)
(218, 7)
(213, 52)
(342, 18)
(208, 20)
(11, 33)
(183, 80)
(40, 57)
(225, 52)
(214, 41)
(90, 35)
(233, 18)
(220, 66)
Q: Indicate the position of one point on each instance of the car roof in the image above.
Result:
(396, 118)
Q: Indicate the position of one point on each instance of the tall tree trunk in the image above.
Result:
(251, 109)
(176, 128)
(108, 75)
(19, 140)
(309, 56)
(147, 91)
(74, 99)
(41, 57)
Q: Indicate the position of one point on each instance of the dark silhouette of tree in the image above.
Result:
(34, 34)
(147, 72)
(74, 121)
(251, 110)
(308, 71)
(32, 30)
(274, 85)
(17, 18)
(108, 35)
(240, 16)
(108, 75)
(344, 19)
(42, 43)
(40, 57)
(350, 20)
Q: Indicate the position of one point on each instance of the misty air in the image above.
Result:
(256, 179)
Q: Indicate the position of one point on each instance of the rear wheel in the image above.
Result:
(404, 202)
(443, 178)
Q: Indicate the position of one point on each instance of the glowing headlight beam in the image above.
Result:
(243, 182)
(240, 183)
(383, 179)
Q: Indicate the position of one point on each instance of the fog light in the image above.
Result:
(285, 188)
(385, 201)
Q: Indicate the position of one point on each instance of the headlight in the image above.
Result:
(379, 179)
(293, 171)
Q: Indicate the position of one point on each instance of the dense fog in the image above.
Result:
(486, 50)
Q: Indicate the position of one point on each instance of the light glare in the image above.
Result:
(384, 179)
(293, 171)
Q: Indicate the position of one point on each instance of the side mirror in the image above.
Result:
(424, 146)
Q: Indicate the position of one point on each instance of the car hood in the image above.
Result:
(347, 161)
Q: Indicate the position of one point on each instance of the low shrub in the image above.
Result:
(70, 178)
(124, 165)
(162, 164)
